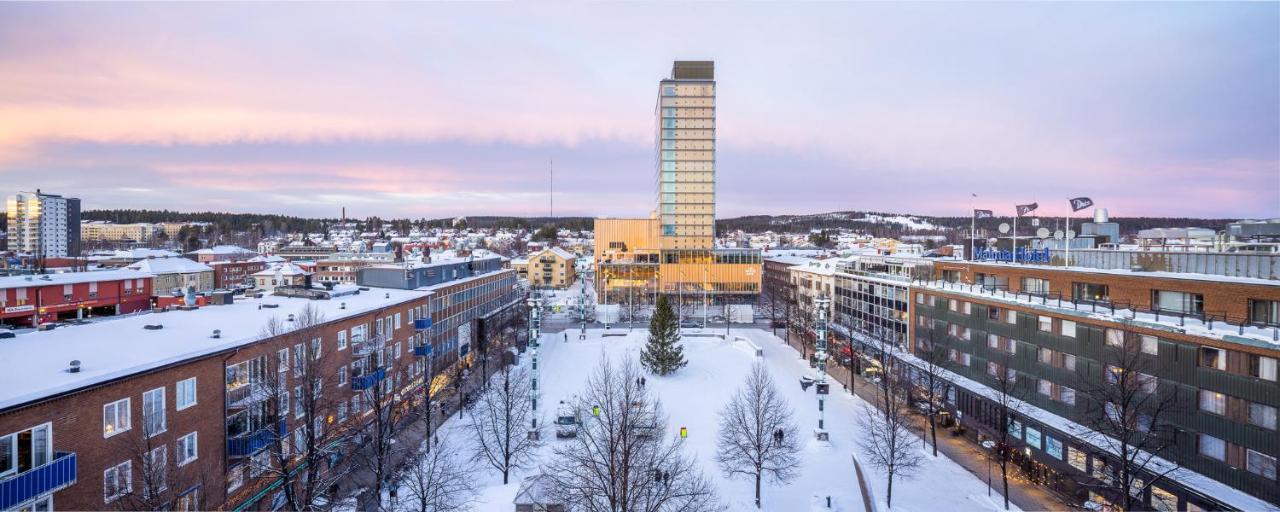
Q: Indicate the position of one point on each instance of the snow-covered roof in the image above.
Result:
(69, 278)
(267, 259)
(35, 363)
(169, 266)
(223, 249)
(134, 254)
(1190, 276)
(282, 269)
(560, 252)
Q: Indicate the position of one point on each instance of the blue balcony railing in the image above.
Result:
(422, 350)
(422, 324)
(368, 380)
(57, 474)
(245, 445)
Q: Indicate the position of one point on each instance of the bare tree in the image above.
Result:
(758, 434)
(155, 481)
(1129, 407)
(889, 443)
(935, 388)
(290, 387)
(438, 478)
(621, 460)
(385, 416)
(502, 420)
(1008, 405)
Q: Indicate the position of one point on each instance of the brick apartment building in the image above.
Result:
(229, 275)
(168, 410)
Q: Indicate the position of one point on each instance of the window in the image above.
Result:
(297, 402)
(188, 448)
(1262, 415)
(342, 376)
(154, 470)
(1090, 292)
(953, 304)
(282, 356)
(342, 340)
(1177, 302)
(189, 502)
(315, 349)
(1053, 447)
(1068, 328)
(993, 369)
(1015, 429)
(1150, 345)
(259, 463)
(117, 481)
(235, 479)
(342, 411)
(1163, 501)
(1045, 323)
(1033, 437)
(1115, 338)
(1213, 447)
(115, 418)
(1262, 367)
(1212, 402)
(1213, 358)
(153, 412)
(300, 438)
(919, 298)
(1035, 285)
(1011, 317)
(299, 359)
(968, 308)
(1261, 464)
(185, 396)
(1265, 312)
(397, 320)
(993, 313)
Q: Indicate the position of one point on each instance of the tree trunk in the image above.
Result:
(933, 429)
(888, 498)
(1004, 476)
(757, 489)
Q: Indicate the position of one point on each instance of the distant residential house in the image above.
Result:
(281, 274)
(221, 253)
(173, 276)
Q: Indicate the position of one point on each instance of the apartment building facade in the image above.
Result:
(553, 268)
(1059, 339)
(43, 225)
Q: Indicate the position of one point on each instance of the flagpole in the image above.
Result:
(1066, 235)
(1015, 233)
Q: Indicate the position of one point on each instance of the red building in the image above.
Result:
(231, 274)
(33, 300)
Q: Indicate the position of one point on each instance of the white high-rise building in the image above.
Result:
(44, 225)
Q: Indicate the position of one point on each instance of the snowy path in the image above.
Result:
(693, 397)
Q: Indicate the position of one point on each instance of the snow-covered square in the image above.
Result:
(692, 399)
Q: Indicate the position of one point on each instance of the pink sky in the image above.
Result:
(434, 110)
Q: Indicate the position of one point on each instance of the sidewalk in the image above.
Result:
(1024, 494)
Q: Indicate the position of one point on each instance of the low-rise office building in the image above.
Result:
(175, 276)
(418, 274)
(32, 300)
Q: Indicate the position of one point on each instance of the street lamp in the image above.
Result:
(822, 388)
(988, 444)
(535, 312)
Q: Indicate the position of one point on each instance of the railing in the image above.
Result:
(423, 350)
(422, 324)
(57, 474)
(369, 346)
(249, 443)
(368, 380)
(1212, 320)
(247, 394)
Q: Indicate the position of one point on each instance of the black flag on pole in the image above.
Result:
(1024, 209)
(1080, 203)
(983, 214)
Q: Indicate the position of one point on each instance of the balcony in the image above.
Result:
(246, 395)
(368, 380)
(422, 324)
(247, 444)
(57, 474)
(422, 350)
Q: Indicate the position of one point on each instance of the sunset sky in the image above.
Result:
(436, 110)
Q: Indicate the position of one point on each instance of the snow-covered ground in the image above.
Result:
(693, 397)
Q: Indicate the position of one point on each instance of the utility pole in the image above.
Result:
(822, 388)
(535, 313)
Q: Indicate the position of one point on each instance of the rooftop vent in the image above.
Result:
(342, 305)
(217, 333)
(388, 295)
(46, 278)
(290, 317)
(153, 327)
(74, 366)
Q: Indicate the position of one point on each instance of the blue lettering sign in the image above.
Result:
(1024, 255)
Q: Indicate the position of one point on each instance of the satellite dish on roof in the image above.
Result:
(1042, 232)
(1057, 235)
(1004, 227)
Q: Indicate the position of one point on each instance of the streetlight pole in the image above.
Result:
(820, 345)
(535, 313)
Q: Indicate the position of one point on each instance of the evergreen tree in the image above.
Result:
(663, 354)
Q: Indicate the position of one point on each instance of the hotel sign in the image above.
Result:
(20, 309)
(1024, 255)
